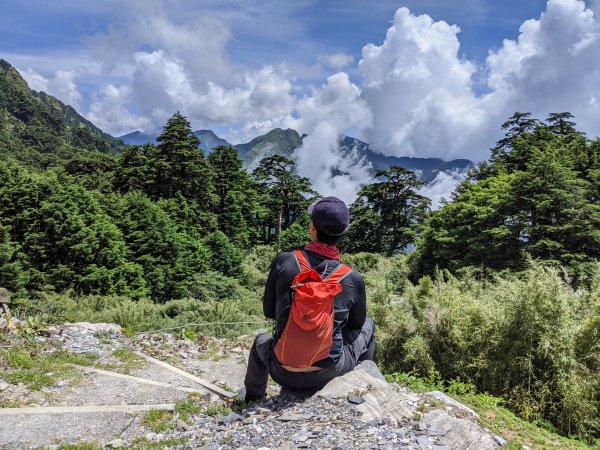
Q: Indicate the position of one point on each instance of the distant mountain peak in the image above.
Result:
(285, 142)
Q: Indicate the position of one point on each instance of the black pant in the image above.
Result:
(359, 345)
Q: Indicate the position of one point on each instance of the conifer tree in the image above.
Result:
(237, 204)
(286, 195)
(388, 214)
(180, 165)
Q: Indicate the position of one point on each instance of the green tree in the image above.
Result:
(135, 171)
(286, 195)
(225, 258)
(237, 204)
(387, 215)
(535, 197)
(12, 275)
(180, 165)
(170, 258)
(65, 236)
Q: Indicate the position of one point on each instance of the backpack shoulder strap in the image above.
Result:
(302, 261)
(339, 273)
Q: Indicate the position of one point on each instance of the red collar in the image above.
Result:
(329, 251)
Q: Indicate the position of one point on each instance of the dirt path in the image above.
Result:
(114, 353)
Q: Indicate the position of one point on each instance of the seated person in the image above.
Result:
(322, 330)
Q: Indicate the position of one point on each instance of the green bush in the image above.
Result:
(532, 340)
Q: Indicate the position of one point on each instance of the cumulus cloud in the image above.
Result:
(336, 60)
(553, 66)
(324, 115)
(163, 84)
(108, 111)
(179, 63)
(61, 86)
(422, 93)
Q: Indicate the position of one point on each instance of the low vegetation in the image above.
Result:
(529, 338)
(493, 414)
(36, 365)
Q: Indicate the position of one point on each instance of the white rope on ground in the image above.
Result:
(202, 324)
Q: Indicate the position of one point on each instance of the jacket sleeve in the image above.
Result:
(358, 311)
(270, 296)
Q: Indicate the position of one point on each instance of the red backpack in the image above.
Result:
(308, 333)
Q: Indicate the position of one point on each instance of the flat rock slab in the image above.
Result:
(100, 389)
(460, 434)
(20, 431)
(381, 402)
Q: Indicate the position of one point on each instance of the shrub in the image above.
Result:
(531, 339)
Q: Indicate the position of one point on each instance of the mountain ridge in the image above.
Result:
(42, 122)
(286, 142)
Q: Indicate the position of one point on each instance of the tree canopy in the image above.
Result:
(536, 197)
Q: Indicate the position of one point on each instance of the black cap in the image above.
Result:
(330, 215)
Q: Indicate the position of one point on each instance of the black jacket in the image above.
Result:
(350, 306)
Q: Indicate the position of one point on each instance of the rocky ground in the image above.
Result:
(359, 410)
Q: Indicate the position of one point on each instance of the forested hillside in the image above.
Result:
(38, 129)
(501, 292)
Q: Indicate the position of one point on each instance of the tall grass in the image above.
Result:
(531, 338)
(212, 297)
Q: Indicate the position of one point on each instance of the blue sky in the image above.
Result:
(397, 74)
(41, 28)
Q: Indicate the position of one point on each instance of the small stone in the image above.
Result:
(249, 420)
(423, 441)
(441, 447)
(3, 385)
(116, 443)
(300, 437)
(61, 383)
(420, 426)
(291, 417)
(355, 399)
(230, 418)
(499, 439)
(288, 445)
(182, 426)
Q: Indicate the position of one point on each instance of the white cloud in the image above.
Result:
(61, 86)
(163, 84)
(336, 107)
(336, 60)
(420, 91)
(197, 39)
(554, 66)
(442, 187)
(108, 111)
